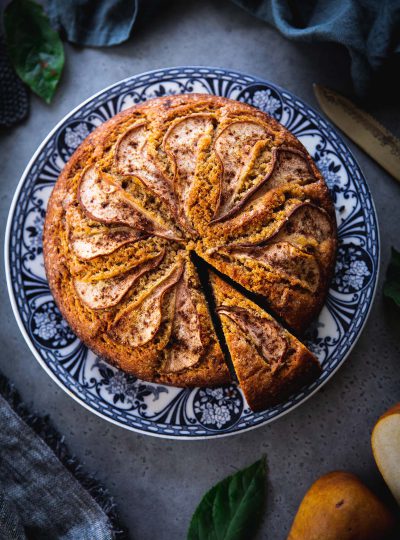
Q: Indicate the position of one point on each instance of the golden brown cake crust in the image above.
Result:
(175, 197)
(264, 381)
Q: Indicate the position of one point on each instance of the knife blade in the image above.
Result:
(361, 128)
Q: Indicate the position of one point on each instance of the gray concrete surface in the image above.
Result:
(157, 483)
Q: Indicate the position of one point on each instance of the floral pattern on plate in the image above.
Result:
(157, 409)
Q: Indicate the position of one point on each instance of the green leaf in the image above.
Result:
(35, 49)
(391, 287)
(232, 509)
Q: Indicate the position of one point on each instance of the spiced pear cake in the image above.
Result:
(270, 363)
(180, 175)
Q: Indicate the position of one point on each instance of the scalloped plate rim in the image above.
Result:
(28, 340)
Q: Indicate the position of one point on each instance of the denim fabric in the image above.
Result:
(39, 498)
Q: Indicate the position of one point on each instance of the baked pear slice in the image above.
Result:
(184, 143)
(107, 293)
(133, 158)
(237, 147)
(103, 200)
(89, 239)
(270, 363)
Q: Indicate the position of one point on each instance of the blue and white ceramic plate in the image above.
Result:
(162, 410)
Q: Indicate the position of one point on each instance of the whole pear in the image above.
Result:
(338, 506)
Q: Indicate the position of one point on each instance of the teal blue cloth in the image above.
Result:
(94, 23)
(369, 29)
(98, 23)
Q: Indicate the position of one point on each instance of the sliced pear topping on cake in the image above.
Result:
(265, 335)
(287, 166)
(307, 226)
(237, 147)
(183, 142)
(133, 158)
(270, 363)
(290, 165)
(311, 221)
(106, 293)
(187, 347)
(139, 323)
(89, 240)
(104, 200)
(309, 229)
(284, 260)
(91, 246)
(296, 250)
(254, 223)
(264, 171)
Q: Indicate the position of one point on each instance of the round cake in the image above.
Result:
(165, 190)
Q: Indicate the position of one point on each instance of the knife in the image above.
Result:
(361, 128)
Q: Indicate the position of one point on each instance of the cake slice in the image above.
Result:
(270, 363)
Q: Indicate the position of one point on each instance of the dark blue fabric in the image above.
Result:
(97, 23)
(369, 29)
(11, 527)
(94, 23)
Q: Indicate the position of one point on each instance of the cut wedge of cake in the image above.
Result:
(269, 362)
